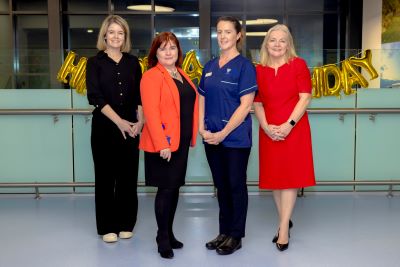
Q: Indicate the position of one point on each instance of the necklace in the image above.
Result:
(174, 73)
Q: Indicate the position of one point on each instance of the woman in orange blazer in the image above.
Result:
(170, 107)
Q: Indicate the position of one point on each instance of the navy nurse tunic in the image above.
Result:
(230, 82)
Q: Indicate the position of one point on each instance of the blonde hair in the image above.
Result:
(290, 53)
(101, 42)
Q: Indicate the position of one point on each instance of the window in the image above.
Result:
(30, 5)
(5, 53)
(84, 6)
(185, 27)
(32, 52)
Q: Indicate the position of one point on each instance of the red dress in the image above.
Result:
(289, 163)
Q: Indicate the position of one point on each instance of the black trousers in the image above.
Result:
(228, 167)
(116, 170)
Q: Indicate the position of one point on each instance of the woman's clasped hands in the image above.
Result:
(278, 132)
(133, 129)
(213, 138)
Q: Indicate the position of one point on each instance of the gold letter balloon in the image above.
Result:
(77, 72)
(190, 65)
(341, 79)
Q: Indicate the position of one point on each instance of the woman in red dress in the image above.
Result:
(285, 150)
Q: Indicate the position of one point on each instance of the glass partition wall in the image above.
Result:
(37, 33)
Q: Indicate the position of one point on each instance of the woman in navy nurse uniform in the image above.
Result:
(227, 90)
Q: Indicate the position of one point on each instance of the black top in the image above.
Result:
(187, 97)
(116, 84)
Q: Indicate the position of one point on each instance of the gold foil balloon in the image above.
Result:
(350, 77)
(317, 77)
(331, 69)
(144, 64)
(192, 66)
(366, 63)
(77, 73)
(345, 78)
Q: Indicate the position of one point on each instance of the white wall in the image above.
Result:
(372, 35)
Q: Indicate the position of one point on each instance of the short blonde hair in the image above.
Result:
(101, 42)
(290, 53)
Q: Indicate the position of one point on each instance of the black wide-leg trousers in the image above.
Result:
(116, 170)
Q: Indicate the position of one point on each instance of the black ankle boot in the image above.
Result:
(164, 247)
(175, 244)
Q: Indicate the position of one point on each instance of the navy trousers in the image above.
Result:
(228, 167)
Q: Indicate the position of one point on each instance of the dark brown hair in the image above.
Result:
(160, 39)
(236, 25)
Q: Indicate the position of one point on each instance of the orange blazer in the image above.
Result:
(161, 108)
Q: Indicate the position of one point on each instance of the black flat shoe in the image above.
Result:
(166, 254)
(213, 244)
(275, 238)
(229, 246)
(175, 244)
(282, 247)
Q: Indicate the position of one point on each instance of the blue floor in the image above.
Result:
(330, 229)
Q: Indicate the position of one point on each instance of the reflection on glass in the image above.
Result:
(87, 5)
(303, 28)
(311, 5)
(265, 7)
(186, 5)
(141, 34)
(5, 53)
(4, 5)
(122, 5)
(32, 57)
(30, 5)
(82, 34)
(185, 27)
(227, 6)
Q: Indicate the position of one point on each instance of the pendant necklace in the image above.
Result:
(174, 73)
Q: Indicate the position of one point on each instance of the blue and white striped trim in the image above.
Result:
(228, 82)
(201, 90)
(247, 89)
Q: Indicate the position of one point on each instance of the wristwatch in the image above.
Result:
(292, 122)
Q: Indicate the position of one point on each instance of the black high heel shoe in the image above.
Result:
(282, 247)
(275, 238)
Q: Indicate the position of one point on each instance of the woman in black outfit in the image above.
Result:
(113, 87)
(170, 107)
